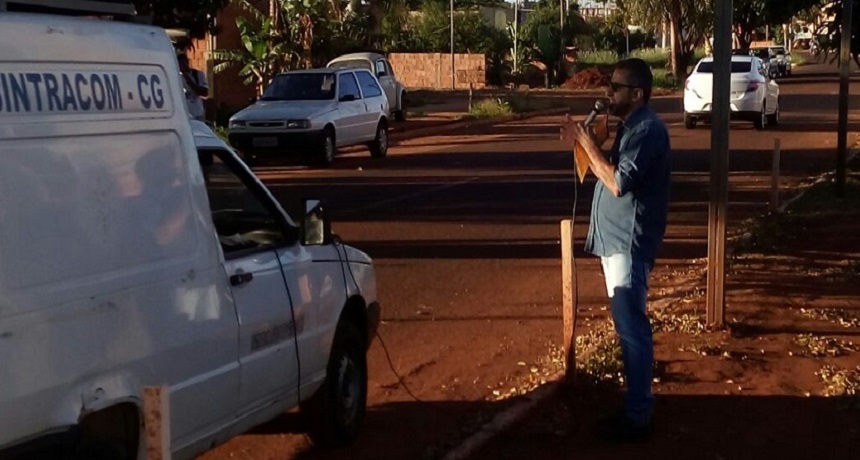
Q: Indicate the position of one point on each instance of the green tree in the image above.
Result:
(691, 22)
(751, 15)
(197, 16)
(543, 35)
(262, 56)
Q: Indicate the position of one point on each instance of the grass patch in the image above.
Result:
(839, 382)
(669, 321)
(490, 108)
(596, 59)
(840, 316)
(702, 347)
(814, 346)
(656, 58)
(600, 353)
(521, 102)
(767, 233)
(664, 79)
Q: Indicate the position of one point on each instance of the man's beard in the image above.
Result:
(619, 109)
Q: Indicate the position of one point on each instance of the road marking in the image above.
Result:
(409, 196)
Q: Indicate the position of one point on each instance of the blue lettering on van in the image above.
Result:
(157, 92)
(5, 99)
(36, 79)
(22, 92)
(84, 100)
(149, 91)
(98, 91)
(69, 99)
(114, 95)
(52, 87)
(143, 94)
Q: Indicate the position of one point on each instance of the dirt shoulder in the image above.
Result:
(782, 380)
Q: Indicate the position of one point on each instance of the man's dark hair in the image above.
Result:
(639, 75)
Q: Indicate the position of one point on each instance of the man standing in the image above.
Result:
(628, 220)
(196, 88)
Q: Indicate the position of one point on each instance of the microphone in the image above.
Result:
(599, 106)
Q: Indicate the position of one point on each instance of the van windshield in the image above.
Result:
(301, 87)
(737, 67)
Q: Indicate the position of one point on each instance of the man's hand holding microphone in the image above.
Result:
(586, 138)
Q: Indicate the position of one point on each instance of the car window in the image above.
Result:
(381, 71)
(737, 67)
(352, 64)
(301, 87)
(390, 69)
(244, 218)
(368, 84)
(348, 86)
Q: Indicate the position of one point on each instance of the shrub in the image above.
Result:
(489, 108)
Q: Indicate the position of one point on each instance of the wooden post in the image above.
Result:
(156, 420)
(567, 306)
(774, 178)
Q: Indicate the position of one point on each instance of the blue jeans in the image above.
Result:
(627, 286)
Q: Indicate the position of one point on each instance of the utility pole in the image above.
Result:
(516, 33)
(453, 71)
(844, 72)
(716, 294)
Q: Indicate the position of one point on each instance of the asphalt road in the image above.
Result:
(464, 231)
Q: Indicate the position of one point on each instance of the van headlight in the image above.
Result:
(298, 124)
(237, 124)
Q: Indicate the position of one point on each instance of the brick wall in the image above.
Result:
(226, 88)
(433, 70)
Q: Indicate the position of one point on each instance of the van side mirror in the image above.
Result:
(316, 227)
(381, 74)
(347, 98)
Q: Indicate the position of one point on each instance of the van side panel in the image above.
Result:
(111, 275)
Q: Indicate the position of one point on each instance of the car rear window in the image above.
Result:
(737, 67)
(301, 87)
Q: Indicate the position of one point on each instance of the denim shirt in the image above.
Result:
(633, 223)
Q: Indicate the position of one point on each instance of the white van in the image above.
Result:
(139, 251)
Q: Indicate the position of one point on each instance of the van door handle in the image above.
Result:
(241, 278)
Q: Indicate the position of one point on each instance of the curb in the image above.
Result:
(397, 137)
(505, 419)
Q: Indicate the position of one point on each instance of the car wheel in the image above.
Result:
(336, 411)
(761, 120)
(327, 147)
(379, 146)
(689, 121)
(400, 115)
(773, 119)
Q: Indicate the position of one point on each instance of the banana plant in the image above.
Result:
(262, 56)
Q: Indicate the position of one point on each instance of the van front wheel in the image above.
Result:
(336, 411)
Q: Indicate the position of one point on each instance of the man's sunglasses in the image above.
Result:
(616, 86)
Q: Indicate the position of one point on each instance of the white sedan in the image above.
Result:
(312, 113)
(754, 96)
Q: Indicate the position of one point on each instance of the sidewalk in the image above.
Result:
(782, 381)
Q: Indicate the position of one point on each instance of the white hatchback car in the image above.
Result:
(377, 63)
(754, 95)
(312, 113)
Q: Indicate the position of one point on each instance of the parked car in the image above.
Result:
(783, 60)
(312, 113)
(768, 59)
(378, 63)
(754, 95)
